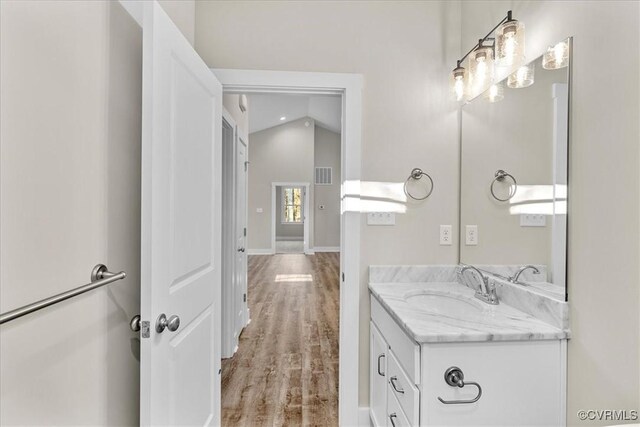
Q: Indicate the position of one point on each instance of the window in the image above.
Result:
(292, 205)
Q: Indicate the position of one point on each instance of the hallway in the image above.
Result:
(285, 371)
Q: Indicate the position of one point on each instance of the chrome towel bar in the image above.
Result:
(100, 276)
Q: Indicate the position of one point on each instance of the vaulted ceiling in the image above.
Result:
(267, 110)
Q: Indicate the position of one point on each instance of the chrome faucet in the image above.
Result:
(486, 292)
(515, 277)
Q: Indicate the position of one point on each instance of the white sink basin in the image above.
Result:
(443, 303)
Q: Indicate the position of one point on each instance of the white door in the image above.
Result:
(180, 253)
(242, 162)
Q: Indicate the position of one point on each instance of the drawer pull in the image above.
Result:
(393, 380)
(379, 371)
(391, 417)
(455, 378)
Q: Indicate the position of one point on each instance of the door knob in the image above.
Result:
(134, 324)
(172, 323)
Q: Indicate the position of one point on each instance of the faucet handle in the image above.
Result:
(491, 290)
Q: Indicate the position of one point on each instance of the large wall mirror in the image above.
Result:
(513, 174)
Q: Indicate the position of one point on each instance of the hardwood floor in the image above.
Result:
(285, 371)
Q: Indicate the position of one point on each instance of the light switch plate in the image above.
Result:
(471, 235)
(533, 220)
(445, 235)
(381, 218)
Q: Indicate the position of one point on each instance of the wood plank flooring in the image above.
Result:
(285, 372)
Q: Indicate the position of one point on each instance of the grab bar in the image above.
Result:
(100, 276)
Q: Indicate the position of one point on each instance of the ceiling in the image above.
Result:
(266, 110)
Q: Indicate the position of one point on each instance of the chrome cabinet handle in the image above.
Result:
(391, 417)
(393, 380)
(455, 378)
(172, 323)
(379, 371)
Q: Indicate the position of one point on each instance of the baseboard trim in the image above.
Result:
(327, 249)
(260, 252)
(363, 416)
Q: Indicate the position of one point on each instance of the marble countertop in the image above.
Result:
(481, 322)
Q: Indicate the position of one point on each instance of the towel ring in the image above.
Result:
(500, 175)
(417, 174)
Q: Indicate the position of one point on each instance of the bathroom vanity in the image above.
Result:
(507, 367)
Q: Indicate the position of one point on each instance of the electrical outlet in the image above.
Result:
(381, 218)
(445, 235)
(533, 220)
(471, 235)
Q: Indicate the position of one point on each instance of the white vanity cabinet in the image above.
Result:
(523, 382)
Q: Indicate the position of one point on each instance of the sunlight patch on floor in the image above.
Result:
(294, 278)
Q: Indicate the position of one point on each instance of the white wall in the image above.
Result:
(405, 51)
(327, 220)
(70, 95)
(604, 282)
(280, 154)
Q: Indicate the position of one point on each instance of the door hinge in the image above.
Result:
(246, 166)
(244, 297)
(245, 232)
(343, 277)
(145, 329)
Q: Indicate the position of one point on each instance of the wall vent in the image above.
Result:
(323, 176)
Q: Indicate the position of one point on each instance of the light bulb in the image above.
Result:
(459, 89)
(495, 93)
(480, 69)
(523, 77)
(556, 57)
(458, 83)
(510, 43)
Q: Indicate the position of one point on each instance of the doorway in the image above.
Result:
(276, 151)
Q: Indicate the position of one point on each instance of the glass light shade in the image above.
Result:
(510, 43)
(556, 57)
(522, 77)
(458, 83)
(495, 93)
(480, 70)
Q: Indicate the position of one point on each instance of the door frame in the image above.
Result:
(228, 347)
(305, 209)
(349, 86)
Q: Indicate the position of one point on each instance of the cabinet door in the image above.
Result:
(522, 384)
(377, 377)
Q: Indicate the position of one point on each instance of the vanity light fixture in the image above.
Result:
(507, 48)
(495, 93)
(556, 56)
(522, 77)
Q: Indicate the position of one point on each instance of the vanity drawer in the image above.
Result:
(404, 390)
(395, 414)
(406, 350)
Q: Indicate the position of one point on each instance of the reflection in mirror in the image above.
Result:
(513, 175)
